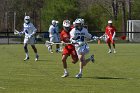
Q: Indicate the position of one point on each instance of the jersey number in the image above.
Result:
(81, 38)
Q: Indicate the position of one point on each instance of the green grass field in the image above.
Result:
(111, 73)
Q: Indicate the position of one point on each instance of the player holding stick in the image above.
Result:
(69, 49)
(29, 32)
(110, 32)
(78, 35)
(53, 35)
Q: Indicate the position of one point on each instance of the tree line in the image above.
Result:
(95, 12)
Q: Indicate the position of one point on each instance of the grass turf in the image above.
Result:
(111, 73)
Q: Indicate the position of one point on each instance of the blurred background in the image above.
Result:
(96, 13)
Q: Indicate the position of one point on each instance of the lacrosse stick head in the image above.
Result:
(95, 38)
(16, 32)
(47, 44)
(103, 37)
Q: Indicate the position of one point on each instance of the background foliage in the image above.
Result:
(95, 12)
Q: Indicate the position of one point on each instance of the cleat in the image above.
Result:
(57, 51)
(36, 59)
(78, 76)
(109, 51)
(114, 51)
(92, 58)
(65, 75)
(51, 51)
(27, 58)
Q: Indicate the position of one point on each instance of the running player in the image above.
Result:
(69, 49)
(78, 36)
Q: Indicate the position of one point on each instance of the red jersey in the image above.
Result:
(65, 36)
(110, 30)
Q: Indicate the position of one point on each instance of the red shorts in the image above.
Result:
(110, 41)
(69, 51)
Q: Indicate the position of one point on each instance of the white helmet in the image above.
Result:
(78, 24)
(27, 19)
(53, 22)
(78, 21)
(110, 22)
(66, 23)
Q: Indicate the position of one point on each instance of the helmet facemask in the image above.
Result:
(27, 21)
(67, 29)
(78, 26)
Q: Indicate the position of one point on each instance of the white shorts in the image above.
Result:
(54, 39)
(82, 49)
(29, 41)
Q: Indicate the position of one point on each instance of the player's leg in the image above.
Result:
(74, 56)
(84, 50)
(26, 49)
(35, 51)
(50, 46)
(32, 42)
(114, 47)
(81, 55)
(81, 64)
(109, 45)
(57, 45)
(60, 46)
(57, 48)
(64, 61)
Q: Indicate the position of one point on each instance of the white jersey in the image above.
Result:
(52, 31)
(76, 35)
(29, 29)
(79, 37)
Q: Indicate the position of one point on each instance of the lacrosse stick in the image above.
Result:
(16, 32)
(103, 37)
(47, 43)
(95, 38)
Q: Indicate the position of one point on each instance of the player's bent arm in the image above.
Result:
(21, 32)
(88, 35)
(51, 31)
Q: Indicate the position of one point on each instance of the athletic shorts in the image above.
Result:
(54, 39)
(69, 52)
(82, 49)
(109, 41)
(29, 41)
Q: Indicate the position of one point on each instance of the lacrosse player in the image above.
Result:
(69, 49)
(29, 32)
(78, 35)
(53, 35)
(110, 32)
(58, 35)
